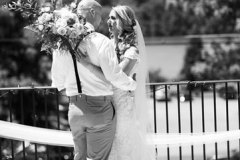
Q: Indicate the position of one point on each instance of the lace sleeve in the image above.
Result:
(132, 53)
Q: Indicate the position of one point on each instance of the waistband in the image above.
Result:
(87, 97)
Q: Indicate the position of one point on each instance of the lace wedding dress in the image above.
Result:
(127, 139)
(132, 118)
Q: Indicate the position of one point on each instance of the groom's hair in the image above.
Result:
(90, 4)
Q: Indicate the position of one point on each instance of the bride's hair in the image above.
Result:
(127, 18)
(126, 24)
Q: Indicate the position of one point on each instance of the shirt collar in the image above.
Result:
(89, 26)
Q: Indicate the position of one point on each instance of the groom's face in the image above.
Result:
(92, 15)
(83, 12)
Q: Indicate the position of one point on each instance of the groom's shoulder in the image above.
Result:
(100, 37)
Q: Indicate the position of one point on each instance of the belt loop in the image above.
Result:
(76, 98)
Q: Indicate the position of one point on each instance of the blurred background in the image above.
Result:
(188, 40)
(200, 37)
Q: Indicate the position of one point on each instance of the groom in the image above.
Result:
(91, 113)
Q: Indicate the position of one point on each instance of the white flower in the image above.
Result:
(47, 17)
(62, 31)
(79, 27)
(54, 30)
(61, 23)
(40, 27)
(47, 9)
(40, 20)
(73, 5)
(73, 34)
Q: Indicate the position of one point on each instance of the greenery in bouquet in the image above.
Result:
(61, 28)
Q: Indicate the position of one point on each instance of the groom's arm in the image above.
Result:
(59, 70)
(111, 69)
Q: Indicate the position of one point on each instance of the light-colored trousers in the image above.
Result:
(93, 124)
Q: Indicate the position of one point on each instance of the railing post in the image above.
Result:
(155, 115)
(1, 156)
(46, 118)
(22, 121)
(191, 118)
(179, 119)
(203, 120)
(215, 118)
(34, 120)
(167, 118)
(227, 119)
(58, 119)
(11, 118)
(238, 97)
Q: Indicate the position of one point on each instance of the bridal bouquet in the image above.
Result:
(61, 29)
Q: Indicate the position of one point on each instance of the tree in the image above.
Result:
(22, 64)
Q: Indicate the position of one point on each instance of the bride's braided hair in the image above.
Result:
(127, 35)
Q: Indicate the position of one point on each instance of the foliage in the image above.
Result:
(216, 61)
(155, 76)
(55, 28)
(22, 64)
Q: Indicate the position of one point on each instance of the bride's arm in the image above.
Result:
(127, 64)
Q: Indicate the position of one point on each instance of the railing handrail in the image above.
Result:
(193, 82)
(148, 84)
(26, 88)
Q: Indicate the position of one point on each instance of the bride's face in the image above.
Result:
(113, 23)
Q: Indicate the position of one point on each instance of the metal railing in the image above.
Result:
(176, 107)
(204, 95)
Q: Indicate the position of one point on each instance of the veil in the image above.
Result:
(141, 103)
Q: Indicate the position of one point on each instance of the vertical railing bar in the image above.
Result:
(58, 111)
(215, 118)
(22, 121)
(203, 120)
(34, 120)
(179, 119)
(46, 120)
(238, 94)
(191, 120)
(58, 120)
(167, 119)
(227, 118)
(1, 156)
(11, 119)
(155, 115)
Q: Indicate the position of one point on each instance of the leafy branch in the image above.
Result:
(29, 9)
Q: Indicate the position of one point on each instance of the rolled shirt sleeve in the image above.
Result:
(111, 69)
(59, 69)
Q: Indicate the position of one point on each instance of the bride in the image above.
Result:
(131, 108)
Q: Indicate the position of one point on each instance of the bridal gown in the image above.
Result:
(127, 139)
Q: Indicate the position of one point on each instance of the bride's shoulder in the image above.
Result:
(132, 52)
(132, 49)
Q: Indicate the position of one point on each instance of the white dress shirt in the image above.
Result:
(101, 53)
